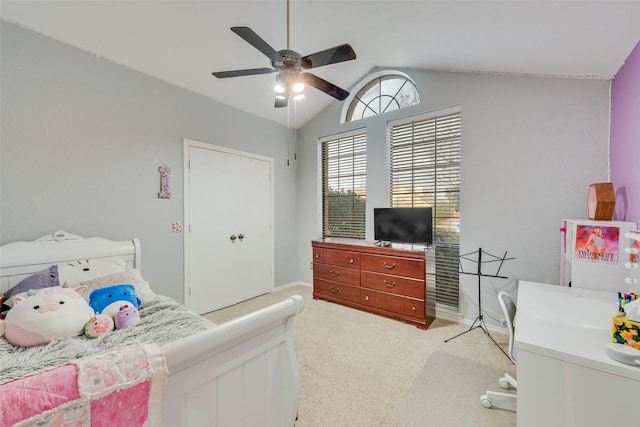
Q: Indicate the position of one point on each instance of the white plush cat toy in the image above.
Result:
(45, 315)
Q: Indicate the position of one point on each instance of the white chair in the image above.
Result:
(506, 382)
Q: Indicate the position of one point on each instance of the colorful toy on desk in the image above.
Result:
(98, 325)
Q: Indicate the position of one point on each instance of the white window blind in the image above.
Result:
(344, 175)
(424, 160)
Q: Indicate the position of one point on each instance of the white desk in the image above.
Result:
(565, 377)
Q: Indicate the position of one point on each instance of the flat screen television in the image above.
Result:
(403, 225)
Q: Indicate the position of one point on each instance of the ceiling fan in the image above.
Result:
(289, 64)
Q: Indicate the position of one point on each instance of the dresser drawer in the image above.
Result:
(393, 284)
(368, 297)
(393, 265)
(336, 274)
(390, 302)
(414, 308)
(343, 258)
(336, 290)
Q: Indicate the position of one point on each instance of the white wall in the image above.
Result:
(82, 139)
(530, 148)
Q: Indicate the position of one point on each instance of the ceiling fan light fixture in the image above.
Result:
(298, 87)
(280, 85)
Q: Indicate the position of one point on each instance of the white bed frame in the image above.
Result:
(242, 373)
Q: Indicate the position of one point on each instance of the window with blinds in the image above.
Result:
(344, 175)
(424, 164)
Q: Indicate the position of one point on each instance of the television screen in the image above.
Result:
(403, 225)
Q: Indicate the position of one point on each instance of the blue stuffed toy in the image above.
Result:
(109, 300)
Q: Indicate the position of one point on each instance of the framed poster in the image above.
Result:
(596, 243)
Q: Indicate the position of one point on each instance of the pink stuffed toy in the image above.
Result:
(45, 315)
(98, 325)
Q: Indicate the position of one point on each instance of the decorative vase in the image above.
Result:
(601, 201)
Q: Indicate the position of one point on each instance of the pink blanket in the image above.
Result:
(119, 387)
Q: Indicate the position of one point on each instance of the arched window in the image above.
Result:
(386, 91)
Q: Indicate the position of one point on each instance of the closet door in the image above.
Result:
(228, 232)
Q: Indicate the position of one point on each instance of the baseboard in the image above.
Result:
(491, 328)
(290, 285)
(446, 313)
(442, 312)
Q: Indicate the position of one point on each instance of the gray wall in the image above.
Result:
(82, 139)
(530, 148)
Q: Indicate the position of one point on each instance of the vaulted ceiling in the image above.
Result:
(182, 41)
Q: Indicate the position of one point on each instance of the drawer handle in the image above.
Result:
(390, 267)
(317, 256)
(413, 308)
(389, 285)
(351, 261)
(334, 273)
(334, 290)
(366, 298)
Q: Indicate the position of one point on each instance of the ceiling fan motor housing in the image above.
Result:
(287, 59)
(289, 66)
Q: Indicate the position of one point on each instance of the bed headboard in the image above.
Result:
(21, 259)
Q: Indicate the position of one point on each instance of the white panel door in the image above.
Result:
(253, 246)
(228, 208)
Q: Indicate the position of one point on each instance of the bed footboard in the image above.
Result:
(242, 373)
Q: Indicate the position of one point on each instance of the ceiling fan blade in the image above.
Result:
(324, 86)
(280, 102)
(340, 53)
(238, 73)
(256, 41)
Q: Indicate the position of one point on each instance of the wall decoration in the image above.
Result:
(165, 171)
(176, 226)
(597, 243)
(601, 201)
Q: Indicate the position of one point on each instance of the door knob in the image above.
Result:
(233, 237)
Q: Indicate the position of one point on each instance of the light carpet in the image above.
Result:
(358, 369)
(437, 397)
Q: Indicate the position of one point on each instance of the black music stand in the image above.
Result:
(480, 320)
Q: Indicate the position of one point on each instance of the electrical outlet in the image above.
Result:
(311, 265)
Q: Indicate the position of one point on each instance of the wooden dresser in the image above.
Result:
(381, 280)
